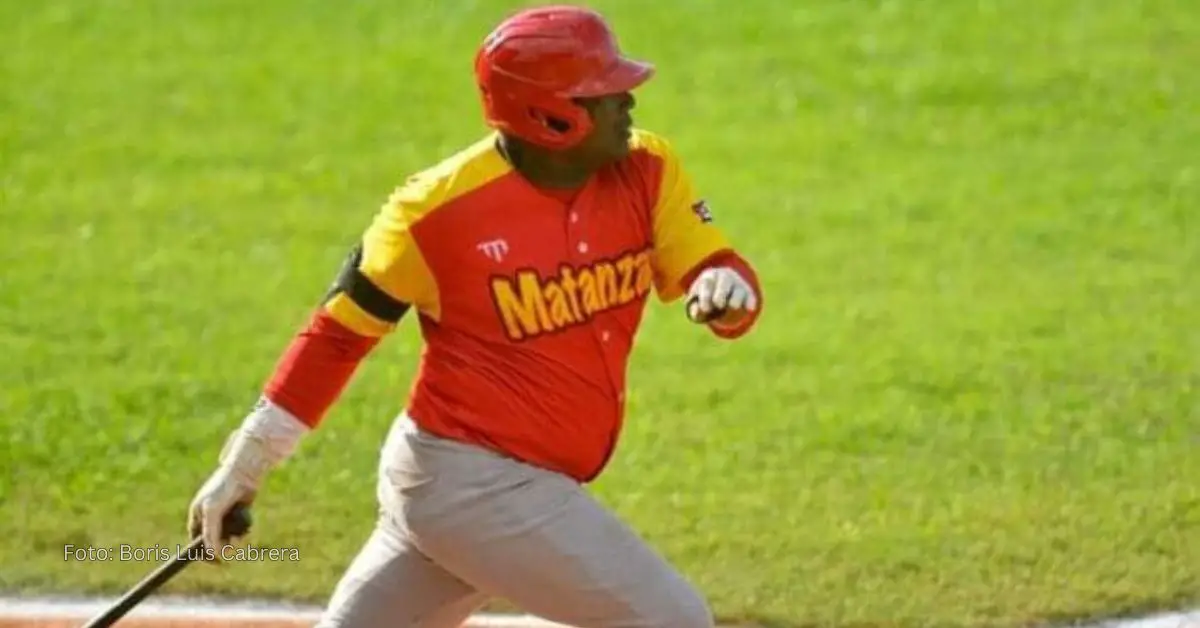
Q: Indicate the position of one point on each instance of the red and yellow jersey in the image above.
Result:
(529, 301)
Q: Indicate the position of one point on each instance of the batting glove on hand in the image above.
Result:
(235, 481)
(266, 438)
(720, 294)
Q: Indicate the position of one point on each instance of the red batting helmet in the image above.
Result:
(535, 62)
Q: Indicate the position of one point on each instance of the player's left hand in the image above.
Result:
(720, 294)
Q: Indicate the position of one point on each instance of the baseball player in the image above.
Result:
(527, 259)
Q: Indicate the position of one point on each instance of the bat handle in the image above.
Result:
(147, 585)
(235, 523)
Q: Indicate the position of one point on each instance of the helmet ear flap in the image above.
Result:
(563, 120)
(558, 124)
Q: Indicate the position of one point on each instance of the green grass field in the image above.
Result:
(974, 398)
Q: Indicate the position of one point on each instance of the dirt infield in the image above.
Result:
(188, 613)
(193, 613)
(152, 622)
(197, 622)
(215, 622)
(201, 622)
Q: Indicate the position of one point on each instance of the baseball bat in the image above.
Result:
(235, 523)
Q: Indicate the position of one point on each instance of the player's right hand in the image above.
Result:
(235, 481)
(265, 439)
(212, 502)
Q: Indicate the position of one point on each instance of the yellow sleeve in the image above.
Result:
(389, 269)
(684, 234)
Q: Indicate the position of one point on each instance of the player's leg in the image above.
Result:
(390, 584)
(560, 555)
(535, 538)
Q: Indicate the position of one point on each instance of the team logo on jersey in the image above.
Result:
(493, 249)
(530, 305)
(700, 208)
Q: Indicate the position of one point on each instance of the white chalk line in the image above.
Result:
(1164, 620)
(175, 608)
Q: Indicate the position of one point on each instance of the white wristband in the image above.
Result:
(279, 430)
(268, 436)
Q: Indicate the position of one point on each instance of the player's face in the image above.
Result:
(612, 126)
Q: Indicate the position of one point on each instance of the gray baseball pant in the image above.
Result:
(460, 525)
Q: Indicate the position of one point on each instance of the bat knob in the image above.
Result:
(236, 522)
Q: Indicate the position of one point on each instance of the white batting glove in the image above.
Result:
(718, 291)
(266, 438)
